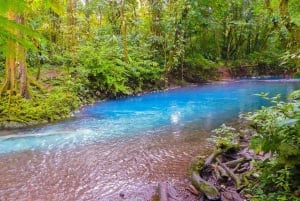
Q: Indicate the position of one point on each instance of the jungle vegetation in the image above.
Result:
(127, 46)
(59, 54)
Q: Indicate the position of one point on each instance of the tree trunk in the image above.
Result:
(9, 85)
(71, 23)
(88, 20)
(55, 24)
(16, 69)
(124, 32)
(71, 9)
(24, 89)
(283, 7)
(21, 58)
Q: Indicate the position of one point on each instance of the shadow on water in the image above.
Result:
(123, 146)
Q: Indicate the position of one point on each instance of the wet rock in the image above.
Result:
(122, 195)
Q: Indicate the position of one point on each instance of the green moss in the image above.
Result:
(209, 190)
(57, 103)
(48, 107)
(197, 164)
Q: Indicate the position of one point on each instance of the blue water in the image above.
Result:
(205, 107)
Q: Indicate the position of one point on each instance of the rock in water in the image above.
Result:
(163, 192)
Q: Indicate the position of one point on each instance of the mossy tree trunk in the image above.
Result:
(16, 79)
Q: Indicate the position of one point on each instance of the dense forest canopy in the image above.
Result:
(111, 48)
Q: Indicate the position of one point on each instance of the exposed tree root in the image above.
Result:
(227, 170)
(208, 189)
(35, 83)
(230, 172)
(213, 156)
(237, 162)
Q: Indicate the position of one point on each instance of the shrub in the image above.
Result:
(296, 75)
(277, 130)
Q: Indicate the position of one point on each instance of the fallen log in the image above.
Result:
(209, 190)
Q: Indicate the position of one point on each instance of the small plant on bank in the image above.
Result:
(226, 136)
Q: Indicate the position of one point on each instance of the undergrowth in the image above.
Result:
(57, 102)
(277, 132)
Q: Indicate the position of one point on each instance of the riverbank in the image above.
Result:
(60, 93)
(257, 160)
(61, 96)
(226, 173)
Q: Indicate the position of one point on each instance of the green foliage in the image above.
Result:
(2, 65)
(226, 136)
(199, 69)
(111, 76)
(65, 95)
(277, 130)
(270, 62)
(105, 70)
(295, 95)
(7, 27)
(116, 48)
(16, 5)
(296, 75)
(52, 106)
